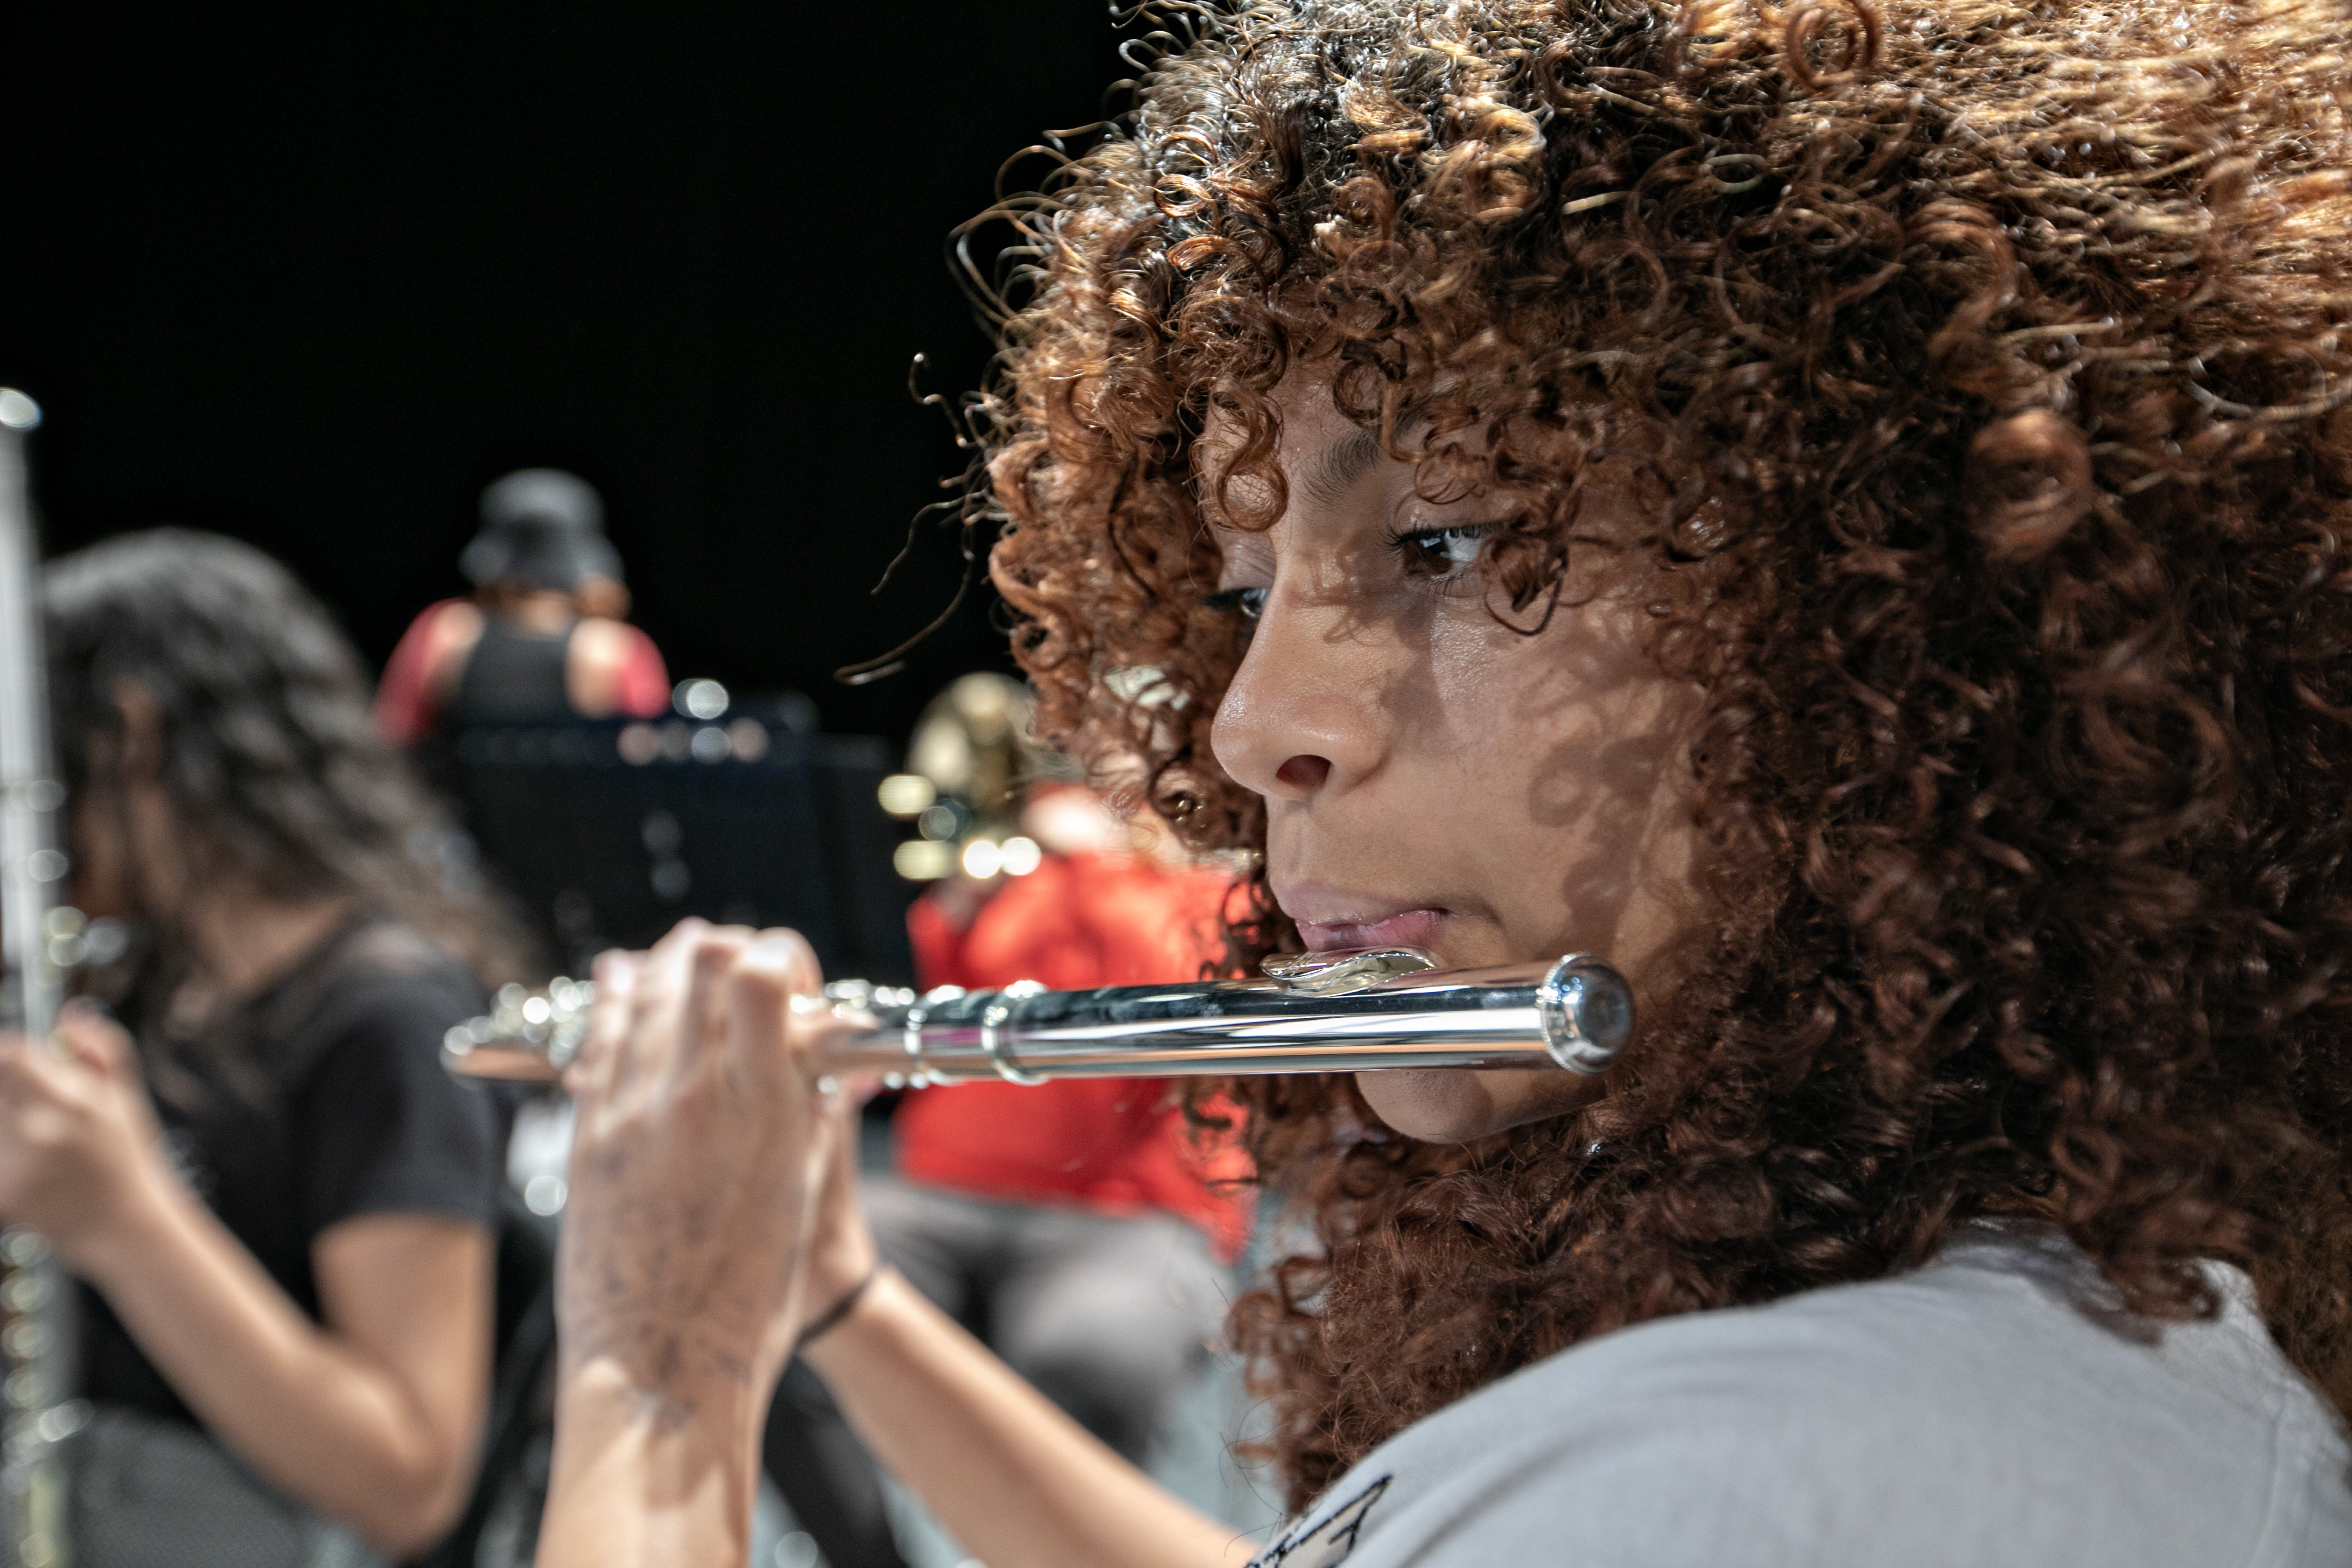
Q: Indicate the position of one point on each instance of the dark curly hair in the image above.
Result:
(268, 754)
(1984, 366)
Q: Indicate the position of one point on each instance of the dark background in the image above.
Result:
(312, 278)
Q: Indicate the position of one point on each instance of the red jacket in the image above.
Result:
(1120, 1145)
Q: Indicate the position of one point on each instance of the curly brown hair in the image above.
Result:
(1986, 365)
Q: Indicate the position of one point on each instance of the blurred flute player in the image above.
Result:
(280, 1207)
(1845, 509)
(543, 636)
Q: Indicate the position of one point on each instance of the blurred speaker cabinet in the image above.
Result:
(609, 832)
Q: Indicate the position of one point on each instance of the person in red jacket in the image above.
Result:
(542, 637)
(1081, 1227)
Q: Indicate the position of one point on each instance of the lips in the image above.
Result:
(1403, 927)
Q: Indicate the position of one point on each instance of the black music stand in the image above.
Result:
(609, 832)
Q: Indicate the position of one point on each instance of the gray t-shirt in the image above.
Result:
(1982, 1410)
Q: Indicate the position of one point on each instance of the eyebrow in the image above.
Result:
(1341, 465)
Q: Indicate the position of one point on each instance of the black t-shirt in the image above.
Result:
(320, 1099)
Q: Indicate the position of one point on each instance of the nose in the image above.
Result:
(1303, 714)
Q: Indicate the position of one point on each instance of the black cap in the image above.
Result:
(542, 527)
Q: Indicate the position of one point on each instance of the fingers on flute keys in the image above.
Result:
(591, 1070)
(706, 1012)
(702, 988)
(632, 1040)
(766, 1039)
(649, 1051)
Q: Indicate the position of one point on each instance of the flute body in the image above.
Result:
(38, 1410)
(1390, 1007)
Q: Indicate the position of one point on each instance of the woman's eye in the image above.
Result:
(1440, 552)
(1247, 602)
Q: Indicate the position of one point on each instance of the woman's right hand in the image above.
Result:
(713, 1211)
(80, 1158)
(712, 1205)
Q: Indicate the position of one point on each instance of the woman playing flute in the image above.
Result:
(281, 1213)
(1842, 509)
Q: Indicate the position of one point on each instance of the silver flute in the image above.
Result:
(42, 933)
(1327, 1012)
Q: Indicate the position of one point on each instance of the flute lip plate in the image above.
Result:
(1350, 969)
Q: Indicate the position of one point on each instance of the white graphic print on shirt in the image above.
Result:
(1323, 1541)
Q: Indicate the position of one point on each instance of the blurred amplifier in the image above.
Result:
(609, 832)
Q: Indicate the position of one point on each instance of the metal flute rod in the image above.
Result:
(1387, 1007)
(37, 1410)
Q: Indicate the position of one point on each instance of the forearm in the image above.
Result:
(1013, 1478)
(646, 1478)
(306, 1414)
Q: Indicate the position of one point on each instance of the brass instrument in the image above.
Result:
(37, 1410)
(1328, 1012)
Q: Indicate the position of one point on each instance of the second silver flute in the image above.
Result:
(1380, 1007)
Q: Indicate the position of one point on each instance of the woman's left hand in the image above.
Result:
(79, 1148)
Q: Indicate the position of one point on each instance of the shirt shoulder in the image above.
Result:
(381, 1126)
(408, 697)
(1981, 1409)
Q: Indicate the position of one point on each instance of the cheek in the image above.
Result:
(1477, 675)
(1566, 741)
(1530, 710)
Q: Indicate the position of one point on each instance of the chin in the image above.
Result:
(1447, 1105)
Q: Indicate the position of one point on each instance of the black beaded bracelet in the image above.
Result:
(831, 1317)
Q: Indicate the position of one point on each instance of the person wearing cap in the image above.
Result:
(542, 637)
